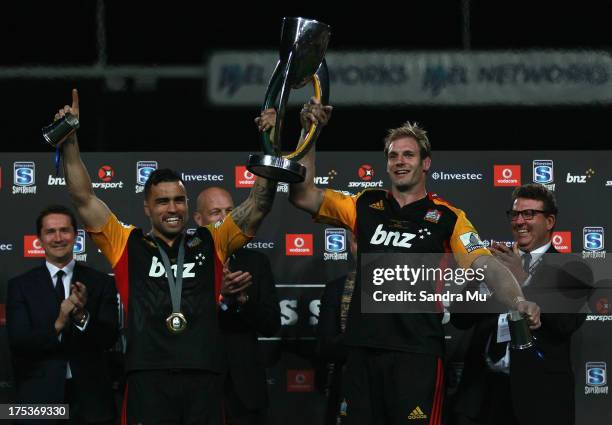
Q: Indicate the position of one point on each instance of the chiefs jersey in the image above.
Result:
(429, 225)
(142, 283)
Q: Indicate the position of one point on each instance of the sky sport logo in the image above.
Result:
(506, 175)
(596, 378)
(562, 241)
(366, 175)
(593, 242)
(24, 177)
(143, 171)
(335, 245)
(298, 244)
(543, 173)
(244, 178)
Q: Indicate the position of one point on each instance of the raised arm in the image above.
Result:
(93, 212)
(306, 196)
(506, 288)
(249, 215)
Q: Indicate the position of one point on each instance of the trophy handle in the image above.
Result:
(320, 83)
(279, 83)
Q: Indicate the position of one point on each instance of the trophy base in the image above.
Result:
(521, 346)
(276, 168)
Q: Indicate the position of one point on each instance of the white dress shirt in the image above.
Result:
(66, 280)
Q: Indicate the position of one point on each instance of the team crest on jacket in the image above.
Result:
(195, 241)
(433, 216)
(471, 241)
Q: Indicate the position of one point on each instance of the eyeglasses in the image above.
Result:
(527, 214)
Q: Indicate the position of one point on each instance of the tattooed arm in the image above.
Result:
(249, 215)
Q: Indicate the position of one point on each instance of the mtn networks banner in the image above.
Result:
(240, 78)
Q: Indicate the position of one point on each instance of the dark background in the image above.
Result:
(174, 114)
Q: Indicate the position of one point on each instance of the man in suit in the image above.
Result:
(250, 307)
(534, 386)
(61, 317)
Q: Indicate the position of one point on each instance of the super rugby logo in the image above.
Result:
(143, 171)
(24, 177)
(157, 269)
(384, 237)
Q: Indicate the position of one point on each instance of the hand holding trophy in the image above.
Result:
(302, 52)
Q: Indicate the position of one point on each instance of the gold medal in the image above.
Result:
(176, 323)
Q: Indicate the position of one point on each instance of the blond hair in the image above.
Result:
(409, 129)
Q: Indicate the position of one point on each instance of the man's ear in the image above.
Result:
(426, 164)
(197, 217)
(146, 209)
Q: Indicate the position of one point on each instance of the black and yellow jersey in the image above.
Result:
(141, 281)
(429, 225)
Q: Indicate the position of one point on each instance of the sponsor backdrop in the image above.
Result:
(305, 255)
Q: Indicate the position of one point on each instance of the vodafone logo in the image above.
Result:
(506, 175)
(32, 248)
(300, 381)
(562, 241)
(298, 244)
(244, 178)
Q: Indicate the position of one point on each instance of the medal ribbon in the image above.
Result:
(175, 285)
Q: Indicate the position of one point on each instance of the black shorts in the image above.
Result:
(391, 388)
(173, 397)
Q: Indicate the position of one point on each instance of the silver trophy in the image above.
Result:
(302, 52)
(520, 335)
(59, 130)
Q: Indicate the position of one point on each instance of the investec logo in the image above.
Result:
(24, 177)
(596, 378)
(201, 177)
(335, 245)
(143, 171)
(387, 237)
(158, 270)
(543, 173)
(366, 174)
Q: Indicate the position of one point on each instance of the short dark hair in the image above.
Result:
(55, 209)
(160, 176)
(537, 192)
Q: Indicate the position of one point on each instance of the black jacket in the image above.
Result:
(40, 359)
(542, 387)
(259, 315)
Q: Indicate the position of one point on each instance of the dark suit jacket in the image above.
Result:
(542, 388)
(259, 315)
(40, 359)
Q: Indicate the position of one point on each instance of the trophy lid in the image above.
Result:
(308, 40)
